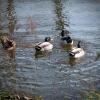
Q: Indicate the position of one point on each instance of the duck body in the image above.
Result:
(8, 44)
(12, 46)
(66, 39)
(77, 53)
(44, 46)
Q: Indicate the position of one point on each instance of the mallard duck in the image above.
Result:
(8, 44)
(67, 38)
(44, 46)
(77, 52)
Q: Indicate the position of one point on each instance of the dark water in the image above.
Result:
(54, 76)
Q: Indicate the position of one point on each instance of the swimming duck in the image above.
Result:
(8, 44)
(44, 46)
(77, 52)
(66, 38)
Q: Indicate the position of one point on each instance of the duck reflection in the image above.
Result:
(40, 54)
(97, 56)
(66, 47)
(11, 54)
(72, 61)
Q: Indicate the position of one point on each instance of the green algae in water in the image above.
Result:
(38, 98)
(3, 94)
(92, 96)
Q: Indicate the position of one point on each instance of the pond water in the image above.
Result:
(53, 75)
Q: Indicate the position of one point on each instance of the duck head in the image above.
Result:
(62, 33)
(78, 45)
(47, 39)
(69, 40)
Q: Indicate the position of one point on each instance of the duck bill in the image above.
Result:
(71, 54)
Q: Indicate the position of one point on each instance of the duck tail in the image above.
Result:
(72, 54)
(37, 48)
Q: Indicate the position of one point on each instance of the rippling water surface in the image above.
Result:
(52, 75)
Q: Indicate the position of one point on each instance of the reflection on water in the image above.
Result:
(0, 16)
(60, 20)
(39, 54)
(11, 54)
(52, 75)
(11, 16)
(66, 46)
(30, 25)
(74, 61)
(97, 57)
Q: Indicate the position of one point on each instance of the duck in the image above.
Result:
(44, 46)
(77, 52)
(67, 38)
(8, 44)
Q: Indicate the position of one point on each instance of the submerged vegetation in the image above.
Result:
(92, 96)
(89, 96)
(6, 95)
(60, 22)
(51, 72)
(11, 16)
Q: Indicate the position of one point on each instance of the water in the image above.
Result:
(53, 75)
